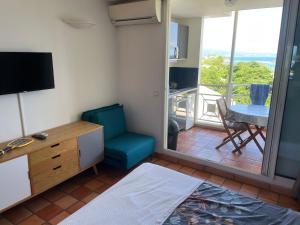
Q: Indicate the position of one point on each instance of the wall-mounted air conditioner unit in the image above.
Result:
(140, 12)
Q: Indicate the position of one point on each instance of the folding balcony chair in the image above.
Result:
(233, 129)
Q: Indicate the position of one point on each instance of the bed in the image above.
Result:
(154, 195)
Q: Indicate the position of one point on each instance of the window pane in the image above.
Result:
(173, 40)
(216, 50)
(256, 49)
(217, 40)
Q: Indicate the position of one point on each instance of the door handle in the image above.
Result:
(292, 74)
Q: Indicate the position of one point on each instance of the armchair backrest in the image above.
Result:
(111, 117)
(222, 106)
(87, 116)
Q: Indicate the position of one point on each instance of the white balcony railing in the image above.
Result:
(207, 111)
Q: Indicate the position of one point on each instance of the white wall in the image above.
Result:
(142, 77)
(84, 61)
(194, 42)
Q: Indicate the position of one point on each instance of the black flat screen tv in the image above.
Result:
(25, 71)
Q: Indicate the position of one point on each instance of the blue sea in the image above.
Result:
(268, 59)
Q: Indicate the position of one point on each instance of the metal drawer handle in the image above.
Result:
(56, 156)
(53, 146)
(55, 168)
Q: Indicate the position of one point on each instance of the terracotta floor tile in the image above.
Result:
(246, 165)
(173, 166)
(36, 204)
(66, 201)
(288, 202)
(201, 174)
(93, 184)
(53, 194)
(32, 220)
(113, 172)
(268, 195)
(161, 162)
(68, 186)
(82, 179)
(81, 192)
(17, 214)
(90, 197)
(104, 178)
(4, 221)
(49, 212)
(102, 188)
(75, 207)
(186, 170)
(152, 159)
(249, 190)
(216, 179)
(208, 156)
(201, 142)
(232, 185)
(59, 218)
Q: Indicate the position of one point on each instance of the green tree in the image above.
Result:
(215, 71)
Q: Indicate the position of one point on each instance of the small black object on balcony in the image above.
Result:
(173, 131)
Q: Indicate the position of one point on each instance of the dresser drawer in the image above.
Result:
(56, 160)
(53, 176)
(51, 151)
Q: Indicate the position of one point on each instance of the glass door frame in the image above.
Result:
(284, 54)
(266, 162)
(281, 77)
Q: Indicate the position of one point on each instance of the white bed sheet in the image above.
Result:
(147, 196)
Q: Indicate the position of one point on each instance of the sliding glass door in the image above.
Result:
(288, 159)
(245, 54)
(238, 52)
(239, 49)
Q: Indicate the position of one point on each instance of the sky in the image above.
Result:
(257, 32)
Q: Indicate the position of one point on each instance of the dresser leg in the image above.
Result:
(95, 169)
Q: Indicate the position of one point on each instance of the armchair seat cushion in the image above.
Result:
(126, 150)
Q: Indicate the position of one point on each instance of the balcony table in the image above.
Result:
(256, 115)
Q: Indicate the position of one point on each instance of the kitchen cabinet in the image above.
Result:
(178, 44)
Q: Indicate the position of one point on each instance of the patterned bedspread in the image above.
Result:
(210, 204)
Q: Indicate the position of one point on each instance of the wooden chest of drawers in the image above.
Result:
(68, 150)
(50, 166)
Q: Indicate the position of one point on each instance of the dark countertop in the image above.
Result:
(174, 92)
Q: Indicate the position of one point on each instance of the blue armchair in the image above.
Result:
(122, 149)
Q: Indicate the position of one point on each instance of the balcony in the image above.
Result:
(232, 55)
(201, 140)
(207, 112)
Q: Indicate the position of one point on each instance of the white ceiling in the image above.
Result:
(199, 8)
